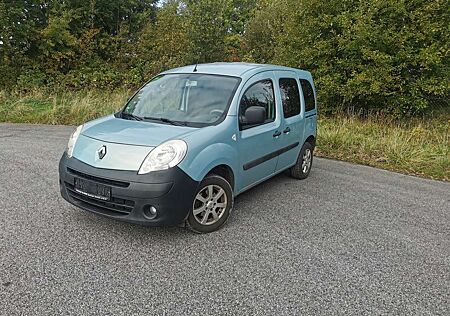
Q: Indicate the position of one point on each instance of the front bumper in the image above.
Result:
(170, 191)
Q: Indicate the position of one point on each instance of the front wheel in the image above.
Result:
(211, 206)
(304, 162)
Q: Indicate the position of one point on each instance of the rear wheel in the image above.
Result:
(304, 162)
(212, 205)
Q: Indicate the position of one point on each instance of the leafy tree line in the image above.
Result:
(377, 55)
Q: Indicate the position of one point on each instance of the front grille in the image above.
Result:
(99, 180)
(116, 206)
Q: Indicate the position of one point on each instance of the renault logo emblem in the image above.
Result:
(101, 152)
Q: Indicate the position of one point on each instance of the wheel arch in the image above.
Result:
(221, 158)
(312, 140)
(225, 172)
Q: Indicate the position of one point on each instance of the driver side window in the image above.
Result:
(261, 94)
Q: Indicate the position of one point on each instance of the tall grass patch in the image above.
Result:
(416, 146)
(64, 108)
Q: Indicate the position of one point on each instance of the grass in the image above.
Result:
(415, 146)
(65, 108)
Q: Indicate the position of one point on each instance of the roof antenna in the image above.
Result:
(195, 68)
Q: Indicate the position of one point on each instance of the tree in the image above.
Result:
(164, 44)
(215, 28)
(380, 55)
(376, 55)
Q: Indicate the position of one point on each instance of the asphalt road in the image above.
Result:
(348, 240)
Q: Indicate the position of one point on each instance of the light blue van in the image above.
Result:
(189, 141)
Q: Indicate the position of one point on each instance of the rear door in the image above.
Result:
(292, 123)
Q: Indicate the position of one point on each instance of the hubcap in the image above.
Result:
(306, 162)
(210, 204)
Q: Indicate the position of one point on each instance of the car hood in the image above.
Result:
(120, 131)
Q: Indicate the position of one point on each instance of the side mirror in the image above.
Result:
(254, 115)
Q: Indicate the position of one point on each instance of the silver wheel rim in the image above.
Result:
(210, 204)
(306, 162)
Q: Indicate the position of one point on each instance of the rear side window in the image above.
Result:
(259, 94)
(290, 97)
(308, 93)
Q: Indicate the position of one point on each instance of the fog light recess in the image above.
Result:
(150, 212)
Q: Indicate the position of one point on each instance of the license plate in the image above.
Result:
(92, 189)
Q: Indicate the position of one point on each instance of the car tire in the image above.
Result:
(212, 205)
(302, 168)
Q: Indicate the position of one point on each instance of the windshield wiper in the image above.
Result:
(129, 115)
(165, 120)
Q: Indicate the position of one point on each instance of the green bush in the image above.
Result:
(383, 56)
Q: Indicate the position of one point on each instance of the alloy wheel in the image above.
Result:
(210, 204)
(306, 162)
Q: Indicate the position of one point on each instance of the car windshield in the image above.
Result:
(183, 99)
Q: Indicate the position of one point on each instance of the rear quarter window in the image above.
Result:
(308, 94)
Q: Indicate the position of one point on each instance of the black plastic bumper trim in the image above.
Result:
(170, 191)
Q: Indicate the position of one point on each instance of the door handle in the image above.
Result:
(287, 130)
(277, 134)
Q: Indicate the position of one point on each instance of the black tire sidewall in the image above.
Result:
(209, 180)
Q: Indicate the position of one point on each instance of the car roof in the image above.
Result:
(236, 69)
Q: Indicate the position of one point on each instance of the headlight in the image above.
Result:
(73, 139)
(165, 156)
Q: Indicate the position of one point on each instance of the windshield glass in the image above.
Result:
(190, 99)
